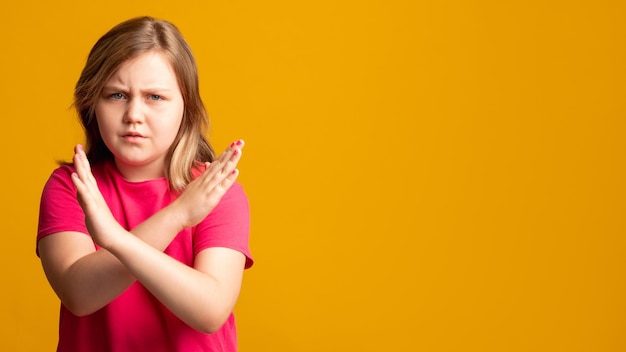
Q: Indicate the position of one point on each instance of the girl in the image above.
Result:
(144, 237)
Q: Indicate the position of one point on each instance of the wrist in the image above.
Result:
(116, 239)
(175, 215)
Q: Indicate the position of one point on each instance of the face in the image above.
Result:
(139, 114)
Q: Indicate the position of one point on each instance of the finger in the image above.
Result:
(79, 165)
(212, 167)
(232, 158)
(87, 191)
(231, 155)
(230, 179)
(235, 154)
(223, 169)
(81, 190)
(222, 187)
(234, 147)
(78, 183)
(83, 167)
(228, 152)
(79, 162)
(238, 144)
(226, 175)
(231, 164)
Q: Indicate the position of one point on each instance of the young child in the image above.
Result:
(144, 237)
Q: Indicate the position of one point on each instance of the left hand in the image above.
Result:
(203, 194)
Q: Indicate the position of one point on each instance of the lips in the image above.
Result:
(133, 137)
(133, 134)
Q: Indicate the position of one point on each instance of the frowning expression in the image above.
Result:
(139, 114)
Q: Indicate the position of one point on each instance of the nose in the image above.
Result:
(134, 112)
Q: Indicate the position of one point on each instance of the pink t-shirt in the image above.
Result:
(136, 320)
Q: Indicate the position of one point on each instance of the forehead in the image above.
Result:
(149, 68)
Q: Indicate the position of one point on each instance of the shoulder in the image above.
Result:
(63, 171)
(59, 210)
(232, 209)
(236, 192)
(234, 201)
(227, 225)
(62, 176)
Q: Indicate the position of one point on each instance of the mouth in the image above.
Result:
(133, 136)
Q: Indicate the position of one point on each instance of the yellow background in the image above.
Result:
(423, 175)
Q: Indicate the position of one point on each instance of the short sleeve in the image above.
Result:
(59, 210)
(228, 225)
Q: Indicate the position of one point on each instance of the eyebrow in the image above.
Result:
(148, 89)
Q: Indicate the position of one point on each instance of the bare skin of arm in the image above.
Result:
(86, 280)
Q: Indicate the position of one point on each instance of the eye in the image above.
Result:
(117, 96)
(155, 97)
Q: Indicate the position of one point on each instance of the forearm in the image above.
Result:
(200, 299)
(95, 279)
(89, 280)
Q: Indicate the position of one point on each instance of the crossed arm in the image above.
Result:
(86, 280)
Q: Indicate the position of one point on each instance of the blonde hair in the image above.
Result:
(123, 42)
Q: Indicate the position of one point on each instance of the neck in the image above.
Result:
(138, 173)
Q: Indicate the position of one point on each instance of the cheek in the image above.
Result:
(100, 117)
(168, 128)
(174, 129)
(107, 128)
(103, 126)
(177, 123)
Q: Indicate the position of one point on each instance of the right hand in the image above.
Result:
(98, 218)
(203, 194)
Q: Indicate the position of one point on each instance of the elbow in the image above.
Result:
(209, 329)
(213, 323)
(77, 308)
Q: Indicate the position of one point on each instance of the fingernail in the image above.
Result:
(80, 147)
(234, 171)
(239, 142)
(235, 152)
(232, 144)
